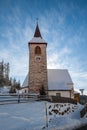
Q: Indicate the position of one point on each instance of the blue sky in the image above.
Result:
(63, 24)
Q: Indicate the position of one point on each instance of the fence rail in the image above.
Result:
(16, 98)
(19, 98)
(63, 100)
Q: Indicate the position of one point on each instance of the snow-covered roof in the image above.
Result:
(58, 79)
(37, 40)
(25, 83)
(75, 92)
(58, 86)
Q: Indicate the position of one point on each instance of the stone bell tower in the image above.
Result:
(37, 63)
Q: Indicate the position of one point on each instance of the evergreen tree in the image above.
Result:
(42, 91)
(12, 90)
(1, 74)
(18, 85)
(4, 74)
(14, 85)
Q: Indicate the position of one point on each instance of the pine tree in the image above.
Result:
(1, 74)
(4, 74)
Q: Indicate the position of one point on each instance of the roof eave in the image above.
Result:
(37, 43)
(59, 90)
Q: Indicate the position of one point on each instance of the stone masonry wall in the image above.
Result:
(37, 70)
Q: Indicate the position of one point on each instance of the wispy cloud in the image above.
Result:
(15, 50)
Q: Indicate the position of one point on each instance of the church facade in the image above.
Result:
(56, 82)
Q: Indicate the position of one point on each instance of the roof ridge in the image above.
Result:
(58, 69)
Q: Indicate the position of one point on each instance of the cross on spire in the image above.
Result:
(36, 20)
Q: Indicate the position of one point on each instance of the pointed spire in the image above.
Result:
(37, 30)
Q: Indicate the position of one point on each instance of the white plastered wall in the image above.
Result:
(63, 93)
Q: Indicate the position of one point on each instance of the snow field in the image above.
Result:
(32, 116)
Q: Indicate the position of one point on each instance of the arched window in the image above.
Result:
(37, 50)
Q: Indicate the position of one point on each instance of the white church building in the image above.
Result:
(56, 82)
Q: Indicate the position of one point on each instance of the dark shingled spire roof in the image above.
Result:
(37, 38)
(37, 32)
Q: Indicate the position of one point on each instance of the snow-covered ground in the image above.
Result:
(32, 116)
(4, 90)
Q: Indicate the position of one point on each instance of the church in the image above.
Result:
(56, 82)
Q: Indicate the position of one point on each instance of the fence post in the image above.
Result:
(18, 98)
(46, 114)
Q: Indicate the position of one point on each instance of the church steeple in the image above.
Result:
(37, 31)
(37, 38)
(37, 63)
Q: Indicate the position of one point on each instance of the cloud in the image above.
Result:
(55, 59)
(80, 80)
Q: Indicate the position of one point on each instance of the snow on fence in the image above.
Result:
(61, 108)
(54, 110)
(83, 111)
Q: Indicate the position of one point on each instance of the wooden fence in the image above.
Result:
(63, 100)
(16, 98)
(21, 98)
